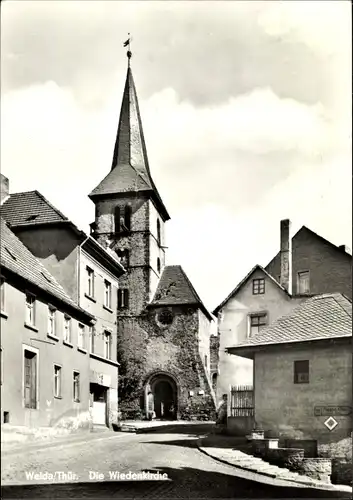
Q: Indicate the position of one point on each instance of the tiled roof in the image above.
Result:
(325, 316)
(122, 179)
(130, 171)
(29, 208)
(175, 288)
(243, 281)
(17, 258)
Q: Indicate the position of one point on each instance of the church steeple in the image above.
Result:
(130, 170)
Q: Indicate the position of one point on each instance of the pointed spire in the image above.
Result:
(130, 168)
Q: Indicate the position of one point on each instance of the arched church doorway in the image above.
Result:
(164, 393)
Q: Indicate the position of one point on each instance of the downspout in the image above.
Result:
(79, 272)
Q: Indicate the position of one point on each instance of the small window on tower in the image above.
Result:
(122, 219)
(123, 298)
(123, 255)
(117, 220)
(158, 265)
(127, 217)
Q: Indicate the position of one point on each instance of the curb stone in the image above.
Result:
(307, 481)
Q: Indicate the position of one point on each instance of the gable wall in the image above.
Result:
(57, 249)
(330, 269)
(233, 323)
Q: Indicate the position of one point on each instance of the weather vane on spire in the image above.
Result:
(127, 44)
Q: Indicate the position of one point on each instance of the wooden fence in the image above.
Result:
(242, 401)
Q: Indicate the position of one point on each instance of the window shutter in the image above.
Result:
(117, 219)
(128, 217)
(119, 298)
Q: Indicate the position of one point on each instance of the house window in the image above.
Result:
(90, 282)
(123, 255)
(67, 329)
(258, 286)
(301, 372)
(51, 321)
(57, 381)
(107, 294)
(123, 298)
(206, 360)
(30, 379)
(158, 265)
(76, 387)
(81, 336)
(122, 219)
(257, 323)
(2, 294)
(107, 345)
(303, 283)
(158, 232)
(91, 338)
(30, 310)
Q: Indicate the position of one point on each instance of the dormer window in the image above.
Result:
(122, 219)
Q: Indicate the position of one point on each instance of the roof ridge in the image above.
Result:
(198, 298)
(50, 205)
(335, 299)
(244, 280)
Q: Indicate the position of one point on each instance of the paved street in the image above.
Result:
(191, 474)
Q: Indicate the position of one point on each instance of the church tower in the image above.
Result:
(130, 214)
(163, 326)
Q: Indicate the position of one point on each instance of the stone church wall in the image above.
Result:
(173, 350)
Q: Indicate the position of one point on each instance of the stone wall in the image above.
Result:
(145, 347)
(240, 426)
(317, 468)
(342, 471)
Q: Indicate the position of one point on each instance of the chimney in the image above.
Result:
(344, 248)
(4, 190)
(286, 255)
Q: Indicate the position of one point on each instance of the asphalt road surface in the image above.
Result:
(90, 470)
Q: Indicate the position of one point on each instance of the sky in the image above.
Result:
(246, 110)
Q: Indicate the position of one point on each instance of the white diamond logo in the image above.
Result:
(331, 423)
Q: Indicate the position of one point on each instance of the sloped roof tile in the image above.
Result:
(30, 207)
(325, 316)
(17, 258)
(175, 288)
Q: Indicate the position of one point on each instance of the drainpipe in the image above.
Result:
(79, 272)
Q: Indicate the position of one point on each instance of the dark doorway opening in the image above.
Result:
(164, 398)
